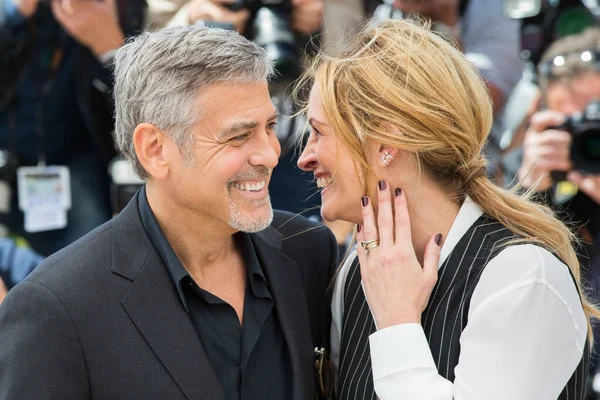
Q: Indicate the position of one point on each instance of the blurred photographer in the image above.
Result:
(560, 148)
(553, 154)
(56, 114)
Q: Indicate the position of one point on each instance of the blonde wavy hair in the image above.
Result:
(400, 74)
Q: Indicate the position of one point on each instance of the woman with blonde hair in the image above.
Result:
(459, 289)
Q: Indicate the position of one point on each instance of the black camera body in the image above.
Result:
(584, 128)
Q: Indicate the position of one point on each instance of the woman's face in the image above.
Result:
(331, 163)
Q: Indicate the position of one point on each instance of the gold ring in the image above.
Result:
(370, 245)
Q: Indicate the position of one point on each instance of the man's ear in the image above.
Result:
(149, 143)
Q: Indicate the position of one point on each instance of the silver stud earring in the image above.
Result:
(387, 158)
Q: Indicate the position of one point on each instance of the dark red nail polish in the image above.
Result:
(382, 185)
(398, 191)
(438, 239)
(365, 201)
(358, 228)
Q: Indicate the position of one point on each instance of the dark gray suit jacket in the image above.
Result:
(101, 319)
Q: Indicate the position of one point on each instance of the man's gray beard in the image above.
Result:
(239, 223)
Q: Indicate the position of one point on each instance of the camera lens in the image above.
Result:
(585, 150)
(590, 149)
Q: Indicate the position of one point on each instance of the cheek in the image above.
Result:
(223, 166)
(276, 145)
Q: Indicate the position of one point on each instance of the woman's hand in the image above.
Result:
(396, 286)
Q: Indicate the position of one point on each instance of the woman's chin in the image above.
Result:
(328, 214)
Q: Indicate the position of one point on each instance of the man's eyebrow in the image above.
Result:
(275, 115)
(237, 127)
(243, 126)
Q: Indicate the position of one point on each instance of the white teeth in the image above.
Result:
(324, 182)
(255, 187)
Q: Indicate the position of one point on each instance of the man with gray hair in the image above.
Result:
(197, 290)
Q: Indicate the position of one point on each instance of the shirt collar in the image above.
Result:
(467, 215)
(258, 282)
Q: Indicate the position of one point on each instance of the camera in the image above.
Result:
(584, 128)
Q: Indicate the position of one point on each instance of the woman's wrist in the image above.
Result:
(398, 320)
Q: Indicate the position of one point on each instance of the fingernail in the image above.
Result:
(438, 239)
(365, 201)
(358, 228)
(398, 191)
(382, 185)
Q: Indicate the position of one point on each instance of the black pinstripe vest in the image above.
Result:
(443, 320)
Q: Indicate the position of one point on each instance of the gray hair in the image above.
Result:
(159, 76)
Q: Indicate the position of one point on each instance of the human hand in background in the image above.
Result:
(93, 23)
(3, 290)
(445, 11)
(217, 11)
(544, 150)
(588, 184)
(26, 7)
(396, 286)
(307, 16)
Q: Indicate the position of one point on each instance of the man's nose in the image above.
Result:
(267, 153)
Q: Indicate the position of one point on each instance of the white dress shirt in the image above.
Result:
(524, 338)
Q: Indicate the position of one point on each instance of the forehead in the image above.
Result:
(573, 95)
(224, 102)
(315, 105)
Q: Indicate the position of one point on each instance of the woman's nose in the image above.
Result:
(308, 160)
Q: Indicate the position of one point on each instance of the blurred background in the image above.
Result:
(60, 176)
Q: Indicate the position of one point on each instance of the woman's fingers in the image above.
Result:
(402, 220)
(369, 225)
(362, 257)
(431, 260)
(385, 216)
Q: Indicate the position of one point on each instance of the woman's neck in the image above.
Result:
(431, 211)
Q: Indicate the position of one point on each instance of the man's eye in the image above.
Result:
(239, 138)
(272, 125)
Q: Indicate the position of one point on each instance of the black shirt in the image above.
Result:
(250, 362)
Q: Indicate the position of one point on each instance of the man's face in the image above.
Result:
(574, 95)
(235, 150)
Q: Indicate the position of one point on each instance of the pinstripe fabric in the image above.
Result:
(355, 378)
(443, 320)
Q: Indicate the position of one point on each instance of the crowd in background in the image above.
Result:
(56, 105)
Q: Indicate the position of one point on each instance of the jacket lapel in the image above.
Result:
(290, 304)
(153, 305)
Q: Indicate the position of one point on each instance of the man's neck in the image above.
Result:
(204, 247)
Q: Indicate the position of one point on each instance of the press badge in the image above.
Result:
(44, 197)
